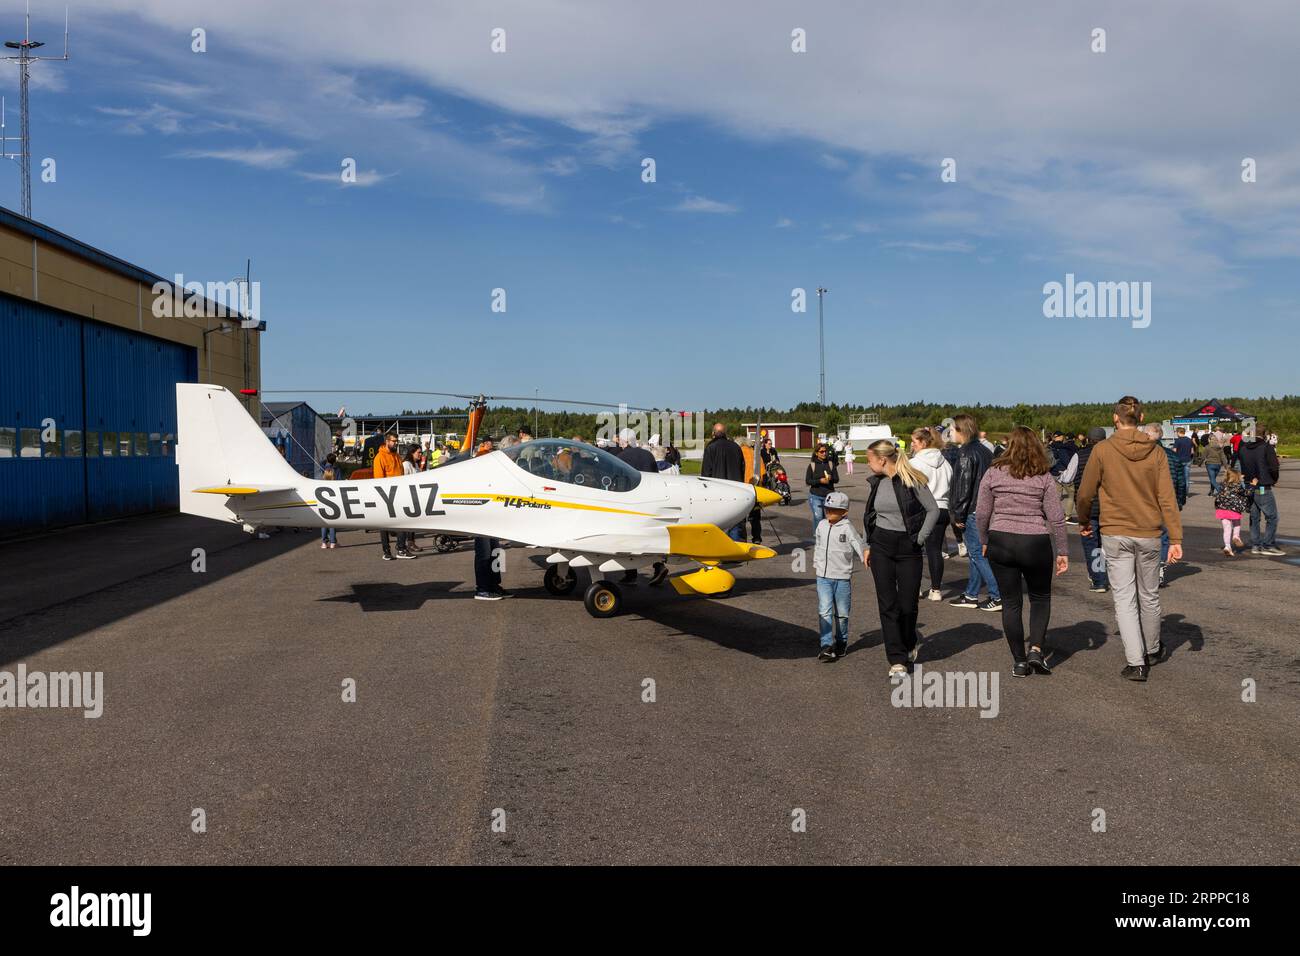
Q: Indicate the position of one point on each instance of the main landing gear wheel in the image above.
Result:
(603, 599)
(558, 584)
(444, 543)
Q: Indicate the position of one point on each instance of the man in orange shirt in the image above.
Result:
(755, 515)
(388, 465)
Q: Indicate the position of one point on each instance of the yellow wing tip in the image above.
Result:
(226, 490)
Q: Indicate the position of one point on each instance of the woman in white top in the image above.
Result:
(410, 466)
(848, 457)
(928, 459)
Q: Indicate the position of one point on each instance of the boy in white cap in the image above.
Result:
(837, 544)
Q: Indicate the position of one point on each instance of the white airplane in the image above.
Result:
(584, 505)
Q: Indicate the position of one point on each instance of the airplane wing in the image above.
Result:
(705, 544)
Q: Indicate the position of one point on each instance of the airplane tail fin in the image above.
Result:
(218, 445)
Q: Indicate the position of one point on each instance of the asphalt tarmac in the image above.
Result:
(223, 691)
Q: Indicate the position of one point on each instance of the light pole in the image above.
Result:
(821, 346)
(24, 59)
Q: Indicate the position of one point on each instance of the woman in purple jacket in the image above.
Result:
(1021, 526)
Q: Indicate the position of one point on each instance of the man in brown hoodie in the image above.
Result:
(1129, 474)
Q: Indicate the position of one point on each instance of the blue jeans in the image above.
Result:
(834, 601)
(1164, 545)
(737, 533)
(329, 536)
(817, 505)
(979, 565)
(1212, 472)
(1094, 557)
(1263, 502)
(1187, 475)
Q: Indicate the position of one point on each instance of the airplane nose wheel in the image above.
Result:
(558, 584)
(603, 599)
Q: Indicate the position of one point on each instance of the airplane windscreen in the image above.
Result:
(555, 459)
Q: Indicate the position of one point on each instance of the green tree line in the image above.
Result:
(1281, 415)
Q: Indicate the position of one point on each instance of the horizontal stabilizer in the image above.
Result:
(242, 489)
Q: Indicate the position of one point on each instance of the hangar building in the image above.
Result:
(87, 379)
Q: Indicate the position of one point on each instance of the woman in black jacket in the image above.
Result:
(901, 513)
(821, 478)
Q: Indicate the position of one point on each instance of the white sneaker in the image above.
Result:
(961, 551)
(935, 595)
(898, 670)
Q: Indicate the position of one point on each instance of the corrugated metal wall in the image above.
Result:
(108, 398)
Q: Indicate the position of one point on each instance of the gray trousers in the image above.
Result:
(1133, 567)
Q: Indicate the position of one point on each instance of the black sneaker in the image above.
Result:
(1021, 669)
(405, 556)
(660, 575)
(487, 596)
(501, 592)
(827, 655)
(388, 557)
(1137, 673)
(841, 648)
(1099, 589)
(1159, 657)
(992, 604)
(964, 601)
(1037, 663)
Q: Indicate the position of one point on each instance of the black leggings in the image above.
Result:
(896, 568)
(1030, 556)
(934, 550)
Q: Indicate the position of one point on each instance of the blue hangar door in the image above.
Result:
(87, 419)
(130, 386)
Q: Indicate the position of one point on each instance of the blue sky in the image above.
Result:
(775, 170)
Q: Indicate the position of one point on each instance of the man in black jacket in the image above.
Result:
(1259, 471)
(973, 459)
(724, 459)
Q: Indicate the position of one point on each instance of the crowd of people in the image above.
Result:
(1009, 506)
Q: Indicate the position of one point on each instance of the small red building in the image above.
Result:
(786, 434)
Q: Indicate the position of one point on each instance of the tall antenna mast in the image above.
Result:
(24, 59)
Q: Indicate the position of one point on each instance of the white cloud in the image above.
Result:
(365, 177)
(703, 204)
(561, 166)
(1017, 98)
(259, 157)
(784, 223)
(913, 245)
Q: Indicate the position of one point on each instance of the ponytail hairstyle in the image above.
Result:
(1129, 411)
(888, 451)
(927, 435)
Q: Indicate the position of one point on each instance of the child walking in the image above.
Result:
(1230, 503)
(837, 544)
